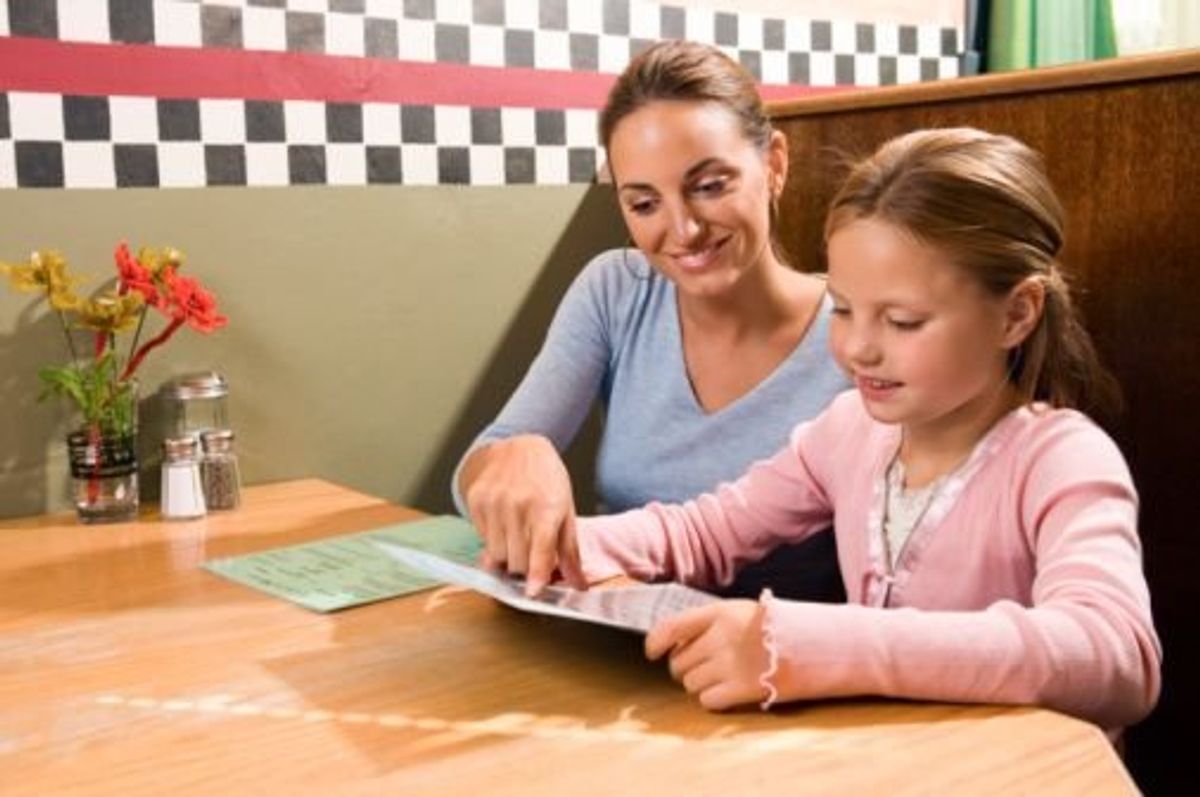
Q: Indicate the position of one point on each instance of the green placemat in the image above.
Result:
(350, 570)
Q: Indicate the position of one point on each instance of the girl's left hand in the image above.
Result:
(716, 652)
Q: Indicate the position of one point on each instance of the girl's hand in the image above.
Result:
(716, 652)
(518, 495)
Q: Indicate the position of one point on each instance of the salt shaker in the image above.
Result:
(219, 470)
(182, 491)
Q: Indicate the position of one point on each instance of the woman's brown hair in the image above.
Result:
(986, 202)
(687, 71)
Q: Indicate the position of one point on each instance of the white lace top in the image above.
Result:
(904, 509)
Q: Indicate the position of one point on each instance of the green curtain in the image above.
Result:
(1029, 33)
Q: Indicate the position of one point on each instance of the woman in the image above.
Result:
(703, 345)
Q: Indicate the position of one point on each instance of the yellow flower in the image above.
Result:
(155, 260)
(64, 299)
(110, 313)
(45, 272)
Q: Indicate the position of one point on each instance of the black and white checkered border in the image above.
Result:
(580, 35)
(54, 141)
(104, 142)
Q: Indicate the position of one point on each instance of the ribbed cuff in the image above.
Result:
(765, 599)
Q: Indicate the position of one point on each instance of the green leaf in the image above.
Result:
(95, 389)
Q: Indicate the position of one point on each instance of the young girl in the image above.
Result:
(986, 531)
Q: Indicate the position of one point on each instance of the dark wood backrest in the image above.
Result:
(1121, 140)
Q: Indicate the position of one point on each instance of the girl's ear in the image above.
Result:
(1023, 310)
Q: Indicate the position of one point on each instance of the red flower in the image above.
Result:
(190, 302)
(134, 276)
(185, 302)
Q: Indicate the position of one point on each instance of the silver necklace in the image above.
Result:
(909, 507)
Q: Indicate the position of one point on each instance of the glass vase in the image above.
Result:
(104, 475)
(104, 461)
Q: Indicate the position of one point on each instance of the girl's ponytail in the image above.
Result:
(1058, 363)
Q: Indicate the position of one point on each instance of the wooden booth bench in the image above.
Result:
(1121, 139)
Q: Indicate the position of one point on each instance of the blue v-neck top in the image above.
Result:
(616, 338)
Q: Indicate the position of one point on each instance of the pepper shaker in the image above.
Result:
(182, 491)
(219, 470)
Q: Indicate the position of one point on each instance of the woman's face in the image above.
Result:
(695, 193)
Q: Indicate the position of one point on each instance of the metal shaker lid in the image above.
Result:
(201, 385)
(179, 447)
(217, 440)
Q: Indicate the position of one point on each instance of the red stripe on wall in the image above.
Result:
(48, 65)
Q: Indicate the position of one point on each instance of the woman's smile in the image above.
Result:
(695, 260)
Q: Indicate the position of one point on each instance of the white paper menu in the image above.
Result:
(635, 608)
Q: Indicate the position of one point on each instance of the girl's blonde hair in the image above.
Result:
(985, 201)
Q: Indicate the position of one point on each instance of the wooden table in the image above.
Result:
(126, 669)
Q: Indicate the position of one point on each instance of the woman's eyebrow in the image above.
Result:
(699, 167)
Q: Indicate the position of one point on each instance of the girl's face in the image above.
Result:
(925, 345)
(695, 193)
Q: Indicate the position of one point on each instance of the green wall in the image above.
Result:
(372, 330)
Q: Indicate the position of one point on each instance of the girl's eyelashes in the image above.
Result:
(906, 324)
(900, 324)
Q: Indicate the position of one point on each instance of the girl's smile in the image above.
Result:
(876, 390)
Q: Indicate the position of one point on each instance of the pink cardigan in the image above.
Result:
(1022, 584)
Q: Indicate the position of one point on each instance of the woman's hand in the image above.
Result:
(716, 652)
(518, 495)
